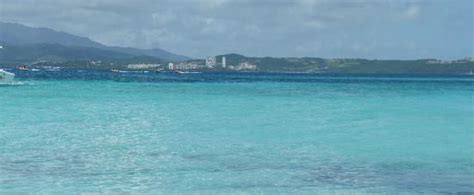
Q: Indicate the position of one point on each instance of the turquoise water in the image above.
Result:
(252, 135)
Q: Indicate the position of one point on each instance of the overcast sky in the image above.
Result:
(382, 29)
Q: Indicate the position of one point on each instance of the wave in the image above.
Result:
(14, 83)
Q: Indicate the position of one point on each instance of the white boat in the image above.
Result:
(187, 72)
(6, 77)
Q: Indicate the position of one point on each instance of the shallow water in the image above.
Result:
(222, 133)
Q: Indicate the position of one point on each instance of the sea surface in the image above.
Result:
(212, 133)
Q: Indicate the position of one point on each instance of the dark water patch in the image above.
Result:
(240, 77)
(341, 176)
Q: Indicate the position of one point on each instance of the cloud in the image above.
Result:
(411, 12)
(326, 28)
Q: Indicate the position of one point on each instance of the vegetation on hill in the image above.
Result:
(353, 66)
(18, 54)
(73, 57)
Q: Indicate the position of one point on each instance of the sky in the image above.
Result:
(374, 29)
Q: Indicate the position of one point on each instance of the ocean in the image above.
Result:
(213, 133)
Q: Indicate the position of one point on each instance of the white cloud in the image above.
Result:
(254, 27)
(411, 12)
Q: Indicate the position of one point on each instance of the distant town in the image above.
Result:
(210, 64)
(240, 63)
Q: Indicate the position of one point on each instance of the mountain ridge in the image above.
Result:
(19, 34)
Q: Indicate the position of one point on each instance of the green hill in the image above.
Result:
(353, 66)
(18, 54)
(20, 35)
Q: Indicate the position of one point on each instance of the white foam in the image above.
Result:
(14, 83)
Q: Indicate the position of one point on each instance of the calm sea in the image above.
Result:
(106, 132)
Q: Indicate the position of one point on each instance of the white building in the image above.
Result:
(224, 63)
(171, 66)
(247, 66)
(142, 66)
(186, 66)
(210, 62)
(244, 66)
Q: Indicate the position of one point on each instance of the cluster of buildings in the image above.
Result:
(211, 63)
(470, 59)
(462, 61)
(143, 66)
(244, 66)
(184, 66)
(439, 62)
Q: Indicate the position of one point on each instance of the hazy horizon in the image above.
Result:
(312, 28)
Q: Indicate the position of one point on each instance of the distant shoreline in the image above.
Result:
(239, 63)
(118, 71)
(98, 72)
